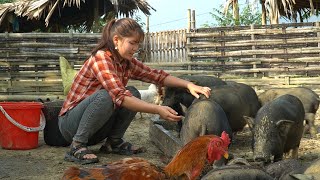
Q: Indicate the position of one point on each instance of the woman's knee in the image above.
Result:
(103, 97)
(134, 91)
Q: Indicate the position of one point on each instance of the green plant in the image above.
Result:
(246, 17)
(5, 1)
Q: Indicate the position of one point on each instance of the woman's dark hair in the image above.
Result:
(125, 27)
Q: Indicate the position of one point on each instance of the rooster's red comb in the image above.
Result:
(225, 138)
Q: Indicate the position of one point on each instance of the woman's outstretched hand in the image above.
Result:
(195, 90)
(168, 113)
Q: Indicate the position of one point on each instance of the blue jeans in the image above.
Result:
(95, 119)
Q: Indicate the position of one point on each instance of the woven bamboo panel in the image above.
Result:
(286, 55)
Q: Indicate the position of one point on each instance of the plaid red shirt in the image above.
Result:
(102, 72)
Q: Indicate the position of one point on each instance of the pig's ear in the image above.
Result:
(250, 122)
(284, 126)
(184, 108)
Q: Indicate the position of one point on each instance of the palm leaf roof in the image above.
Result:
(41, 14)
(291, 8)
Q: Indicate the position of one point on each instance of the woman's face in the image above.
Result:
(127, 46)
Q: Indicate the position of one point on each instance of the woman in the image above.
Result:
(99, 105)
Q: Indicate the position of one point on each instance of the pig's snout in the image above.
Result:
(261, 158)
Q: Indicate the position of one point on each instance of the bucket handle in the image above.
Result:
(25, 128)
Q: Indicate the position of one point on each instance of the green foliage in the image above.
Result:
(245, 17)
(139, 20)
(5, 1)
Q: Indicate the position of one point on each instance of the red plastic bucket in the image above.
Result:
(20, 124)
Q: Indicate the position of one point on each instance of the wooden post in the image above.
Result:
(263, 15)
(147, 42)
(188, 31)
(287, 80)
(223, 43)
(147, 24)
(71, 46)
(318, 33)
(193, 19)
(7, 57)
(189, 20)
(95, 15)
(235, 10)
(285, 42)
(254, 66)
(151, 45)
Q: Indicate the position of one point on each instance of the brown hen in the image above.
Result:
(186, 164)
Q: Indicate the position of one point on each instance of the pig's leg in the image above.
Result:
(278, 157)
(294, 153)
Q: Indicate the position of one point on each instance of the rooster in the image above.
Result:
(188, 163)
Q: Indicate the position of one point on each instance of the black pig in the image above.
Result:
(204, 117)
(249, 95)
(173, 97)
(309, 99)
(232, 102)
(277, 128)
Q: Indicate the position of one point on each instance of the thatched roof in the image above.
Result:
(290, 9)
(29, 15)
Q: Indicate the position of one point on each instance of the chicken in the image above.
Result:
(186, 164)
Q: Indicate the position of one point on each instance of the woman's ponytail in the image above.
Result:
(106, 39)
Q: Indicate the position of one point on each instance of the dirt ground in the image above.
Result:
(46, 162)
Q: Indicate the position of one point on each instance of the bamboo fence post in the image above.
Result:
(158, 47)
(162, 43)
(193, 19)
(188, 31)
(285, 51)
(222, 44)
(147, 24)
(169, 58)
(174, 39)
(7, 57)
(318, 33)
(180, 47)
(193, 27)
(171, 43)
(152, 57)
(263, 15)
(7, 44)
(71, 46)
(183, 50)
(287, 80)
(254, 66)
(37, 69)
(147, 42)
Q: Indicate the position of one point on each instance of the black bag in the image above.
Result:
(51, 133)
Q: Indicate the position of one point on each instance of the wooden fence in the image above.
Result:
(284, 55)
(166, 46)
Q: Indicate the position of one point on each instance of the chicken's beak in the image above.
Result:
(226, 155)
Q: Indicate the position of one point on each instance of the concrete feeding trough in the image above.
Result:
(164, 135)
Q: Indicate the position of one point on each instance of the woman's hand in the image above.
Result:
(195, 90)
(168, 113)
